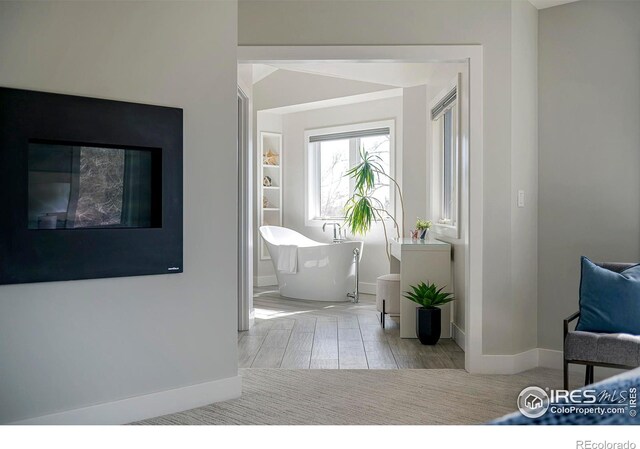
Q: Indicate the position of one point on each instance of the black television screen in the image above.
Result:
(74, 186)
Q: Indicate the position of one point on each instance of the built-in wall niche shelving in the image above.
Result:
(270, 182)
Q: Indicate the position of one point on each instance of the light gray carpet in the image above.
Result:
(437, 396)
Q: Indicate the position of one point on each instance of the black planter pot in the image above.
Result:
(428, 325)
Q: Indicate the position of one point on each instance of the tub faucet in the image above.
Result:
(337, 231)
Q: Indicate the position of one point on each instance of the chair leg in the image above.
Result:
(591, 371)
(566, 375)
(382, 315)
(587, 374)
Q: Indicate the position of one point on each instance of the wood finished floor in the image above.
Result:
(296, 334)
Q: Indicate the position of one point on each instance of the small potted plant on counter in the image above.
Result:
(430, 297)
(423, 226)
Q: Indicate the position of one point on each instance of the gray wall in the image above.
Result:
(65, 345)
(412, 167)
(433, 22)
(589, 97)
(524, 176)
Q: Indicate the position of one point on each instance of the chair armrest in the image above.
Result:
(572, 317)
(566, 322)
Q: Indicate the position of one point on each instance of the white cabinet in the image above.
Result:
(417, 261)
(270, 184)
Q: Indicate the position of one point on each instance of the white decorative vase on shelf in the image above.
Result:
(423, 234)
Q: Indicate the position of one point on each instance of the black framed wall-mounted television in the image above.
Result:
(89, 188)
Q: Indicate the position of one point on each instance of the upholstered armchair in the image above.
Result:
(613, 350)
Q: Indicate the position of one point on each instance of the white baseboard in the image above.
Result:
(147, 406)
(507, 364)
(367, 288)
(550, 358)
(458, 335)
(533, 358)
(265, 281)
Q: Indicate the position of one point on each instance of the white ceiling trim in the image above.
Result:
(341, 101)
(543, 4)
(395, 74)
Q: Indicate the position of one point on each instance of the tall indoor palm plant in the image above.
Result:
(363, 208)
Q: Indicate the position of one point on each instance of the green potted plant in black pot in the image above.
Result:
(428, 317)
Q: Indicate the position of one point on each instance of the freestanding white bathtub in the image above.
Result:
(325, 271)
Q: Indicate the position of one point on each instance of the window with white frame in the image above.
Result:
(444, 116)
(331, 153)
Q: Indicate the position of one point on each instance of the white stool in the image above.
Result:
(388, 295)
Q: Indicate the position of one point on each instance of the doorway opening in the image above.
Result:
(315, 101)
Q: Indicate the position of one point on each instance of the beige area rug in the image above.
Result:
(435, 396)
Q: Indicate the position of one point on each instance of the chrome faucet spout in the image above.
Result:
(337, 230)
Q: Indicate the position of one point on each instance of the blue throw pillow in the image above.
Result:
(609, 301)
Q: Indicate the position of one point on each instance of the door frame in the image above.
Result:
(473, 55)
(245, 212)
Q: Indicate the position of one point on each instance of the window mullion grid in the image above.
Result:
(317, 194)
(354, 158)
(444, 166)
(315, 171)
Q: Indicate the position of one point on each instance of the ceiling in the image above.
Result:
(542, 4)
(391, 74)
(260, 71)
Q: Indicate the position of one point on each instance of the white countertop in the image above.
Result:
(417, 244)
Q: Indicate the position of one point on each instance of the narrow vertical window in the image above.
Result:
(444, 151)
(447, 167)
